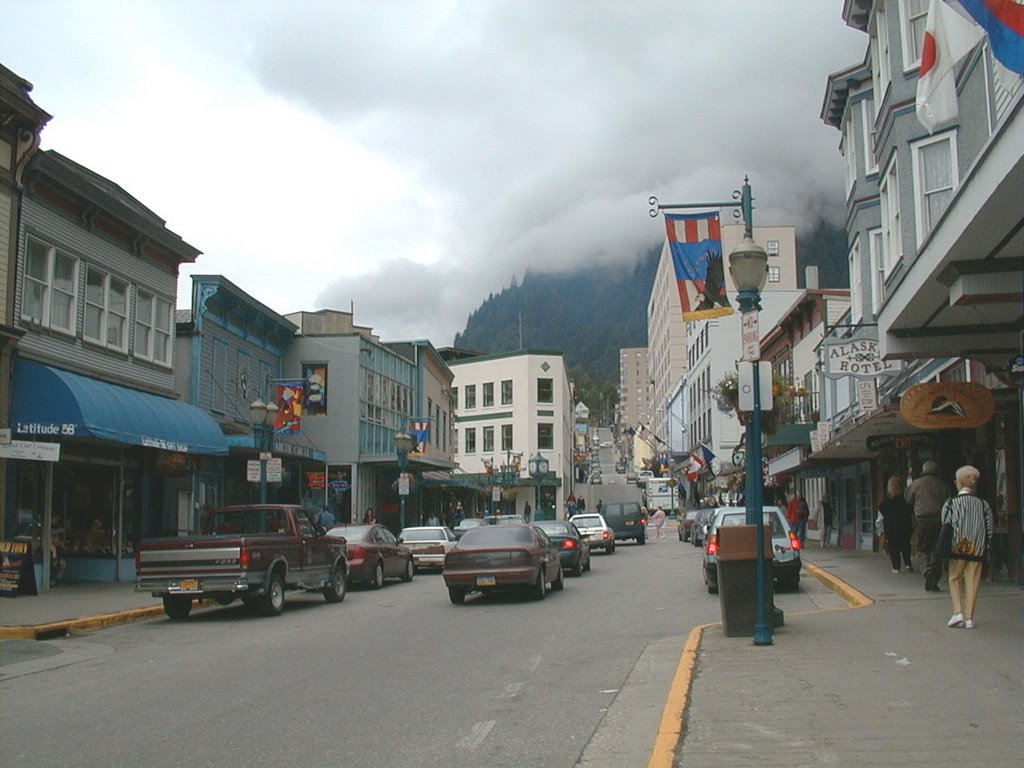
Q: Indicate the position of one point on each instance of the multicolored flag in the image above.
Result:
(289, 406)
(699, 461)
(1003, 20)
(948, 37)
(420, 431)
(695, 241)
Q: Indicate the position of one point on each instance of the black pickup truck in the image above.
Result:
(252, 552)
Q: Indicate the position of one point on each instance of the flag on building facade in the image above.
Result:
(289, 406)
(420, 431)
(1003, 21)
(948, 37)
(695, 242)
(699, 461)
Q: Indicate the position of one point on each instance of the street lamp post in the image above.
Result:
(403, 444)
(263, 416)
(748, 265)
(538, 468)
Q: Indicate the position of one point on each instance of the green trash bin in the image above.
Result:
(737, 579)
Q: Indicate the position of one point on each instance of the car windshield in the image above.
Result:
(740, 518)
(586, 521)
(496, 536)
(509, 520)
(350, 532)
(422, 534)
(556, 527)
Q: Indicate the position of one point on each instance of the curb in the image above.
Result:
(666, 744)
(85, 624)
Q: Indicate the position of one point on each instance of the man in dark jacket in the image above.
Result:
(926, 495)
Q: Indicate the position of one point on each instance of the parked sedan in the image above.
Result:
(429, 544)
(595, 531)
(495, 558)
(685, 529)
(570, 542)
(786, 561)
(700, 523)
(374, 554)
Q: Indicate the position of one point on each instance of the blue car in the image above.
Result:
(574, 549)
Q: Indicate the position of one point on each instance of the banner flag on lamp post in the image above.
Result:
(695, 241)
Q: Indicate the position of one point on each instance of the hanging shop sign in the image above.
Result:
(956, 405)
(857, 357)
(17, 571)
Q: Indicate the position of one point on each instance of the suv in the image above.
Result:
(785, 562)
(626, 520)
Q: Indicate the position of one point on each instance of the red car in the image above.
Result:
(374, 554)
(495, 558)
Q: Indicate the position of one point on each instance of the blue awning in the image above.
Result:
(51, 403)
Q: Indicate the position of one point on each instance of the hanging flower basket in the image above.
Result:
(727, 393)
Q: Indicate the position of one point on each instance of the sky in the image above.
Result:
(406, 159)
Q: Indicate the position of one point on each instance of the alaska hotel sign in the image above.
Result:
(857, 357)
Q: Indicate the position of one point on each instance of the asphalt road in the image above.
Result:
(387, 678)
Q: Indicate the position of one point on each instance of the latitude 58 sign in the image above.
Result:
(857, 357)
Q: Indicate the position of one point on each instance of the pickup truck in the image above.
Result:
(252, 552)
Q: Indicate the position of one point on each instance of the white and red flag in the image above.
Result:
(948, 37)
(695, 241)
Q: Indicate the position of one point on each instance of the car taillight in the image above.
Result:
(605, 535)
(244, 557)
(355, 552)
(643, 521)
(712, 548)
(569, 544)
(794, 541)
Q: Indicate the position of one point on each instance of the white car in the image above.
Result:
(643, 476)
(595, 531)
(429, 544)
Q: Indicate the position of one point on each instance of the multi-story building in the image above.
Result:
(113, 452)
(21, 123)
(634, 389)
(508, 408)
(934, 227)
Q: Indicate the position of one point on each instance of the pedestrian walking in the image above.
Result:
(826, 515)
(970, 518)
(926, 495)
(659, 521)
(898, 524)
(798, 512)
(369, 518)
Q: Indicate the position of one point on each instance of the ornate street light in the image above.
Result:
(748, 265)
(403, 444)
(538, 467)
(263, 416)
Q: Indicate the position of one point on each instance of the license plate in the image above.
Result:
(189, 584)
(629, 522)
(485, 581)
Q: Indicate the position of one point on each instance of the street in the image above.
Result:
(391, 677)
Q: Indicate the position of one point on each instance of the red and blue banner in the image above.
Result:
(1003, 20)
(695, 241)
(289, 406)
(315, 400)
(420, 431)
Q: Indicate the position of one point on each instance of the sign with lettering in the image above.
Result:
(17, 571)
(857, 357)
(867, 395)
(30, 451)
(751, 336)
(898, 442)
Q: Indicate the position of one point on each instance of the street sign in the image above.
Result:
(496, 493)
(29, 451)
(746, 386)
(274, 470)
(867, 395)
(252, 470)
(751, 336)
(403, 484)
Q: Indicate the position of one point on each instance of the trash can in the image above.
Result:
(737, 579)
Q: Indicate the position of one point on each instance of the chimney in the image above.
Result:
(811, 278)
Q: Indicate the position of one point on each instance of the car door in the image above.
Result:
(317, 554)
(548, 553)
(387, 544)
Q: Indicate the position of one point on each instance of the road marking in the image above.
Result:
(533, 662)
(477, 734)
(512, 690)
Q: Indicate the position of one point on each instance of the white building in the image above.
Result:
(509, 407)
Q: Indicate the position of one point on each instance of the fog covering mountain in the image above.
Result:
(590, 314)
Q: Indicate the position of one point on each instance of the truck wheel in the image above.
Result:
(540, 586)
(410, 569)
(334, 589)
(272, 603)
(456, 595)
(177, 607)
(377, 580)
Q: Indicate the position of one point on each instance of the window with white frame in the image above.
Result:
(488, 392)
(106, 309)
(49, 287)
(774, 274)
(877, 287)
(849, 148)
(488, 439)
(506, 437)
(469, 444)
(154, 321)
(892, 235)
(856, 281)
(506, 392)
(914, 16)
(881, 66)
(772, 247)
(935, 177)
(546, 437)
(867, 114)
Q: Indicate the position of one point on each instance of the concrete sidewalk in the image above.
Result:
(882, 685)
(74, 608)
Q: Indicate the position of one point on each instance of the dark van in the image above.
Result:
(626, 520)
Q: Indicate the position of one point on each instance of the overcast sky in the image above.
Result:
(409, 158)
